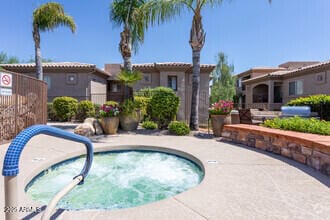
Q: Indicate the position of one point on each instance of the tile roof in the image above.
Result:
(114, 69)
(314, 66)
(65, 65)
(286, 73)
(170, 64)
(51, 65)
(276, 74)
(259, 69)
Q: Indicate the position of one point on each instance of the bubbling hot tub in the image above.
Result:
(118, 179)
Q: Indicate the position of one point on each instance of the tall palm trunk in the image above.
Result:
(125, 47)
(197, 39)
(36, 38)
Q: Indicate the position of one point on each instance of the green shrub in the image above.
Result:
(51, 112)
(178, 128)
(112, 103)
(315, 102)
(127, 107)
(307, 125)
(149, 125)
(142, 103)
(97, 108)
(145, 92)
(85, 109)
(164, 105)
(65, 107)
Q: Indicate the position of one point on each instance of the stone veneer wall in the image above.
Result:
(310, 149)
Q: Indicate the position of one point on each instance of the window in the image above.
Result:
(320, 78)
(239, 83)
(146, 78)
(48, 81)
(115, 87)
(71, 79)
(172, 82)
(296, 88)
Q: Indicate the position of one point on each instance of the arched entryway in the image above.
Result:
(260, 93)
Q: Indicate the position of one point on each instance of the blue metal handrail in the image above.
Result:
(11, 162)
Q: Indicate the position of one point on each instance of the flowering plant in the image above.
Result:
(222, 107)
(109, 110)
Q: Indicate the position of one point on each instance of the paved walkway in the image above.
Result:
(244, 184)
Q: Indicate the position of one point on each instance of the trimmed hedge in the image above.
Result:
(178, 128)
(65, 108)
(150, 125)
(318, 103)
(310, 125)
(164, 105)
(85, 110)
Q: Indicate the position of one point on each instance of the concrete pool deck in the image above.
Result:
(245, 183)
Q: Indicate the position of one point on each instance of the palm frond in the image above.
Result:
(50, 16)
(211, 3)
(125, 13)
(129, 77)
(159, 11)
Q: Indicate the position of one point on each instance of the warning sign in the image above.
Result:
(6, 91)
(6, 80)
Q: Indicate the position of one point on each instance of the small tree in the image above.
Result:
(223, 82)
(128, 78)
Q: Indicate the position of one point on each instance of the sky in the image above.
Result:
(252, 33)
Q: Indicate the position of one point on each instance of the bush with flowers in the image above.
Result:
(109, 110)
(222, 107)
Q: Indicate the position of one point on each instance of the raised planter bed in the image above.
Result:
(310, 149)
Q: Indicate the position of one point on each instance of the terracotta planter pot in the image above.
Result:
(218, 121)
(110, 125)
(129, 122)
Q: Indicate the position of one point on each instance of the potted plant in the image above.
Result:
(220, 112)
(129, 116)
(109, 119)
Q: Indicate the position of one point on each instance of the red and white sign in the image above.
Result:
(6, 80)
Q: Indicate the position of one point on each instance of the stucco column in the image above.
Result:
(270, 94)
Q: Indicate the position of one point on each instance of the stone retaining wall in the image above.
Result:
(310, 149)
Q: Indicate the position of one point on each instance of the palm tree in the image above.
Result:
(46, 18)
(163, 10)
(128, 14)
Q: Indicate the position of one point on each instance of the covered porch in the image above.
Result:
(264, 95)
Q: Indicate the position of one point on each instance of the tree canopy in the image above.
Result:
(50, 16)
(4, 58)
(46, 18)
(223, 81)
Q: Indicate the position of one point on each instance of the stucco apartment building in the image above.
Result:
(271, 87)
(175, 75)
(78, 80)
(87, 82)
